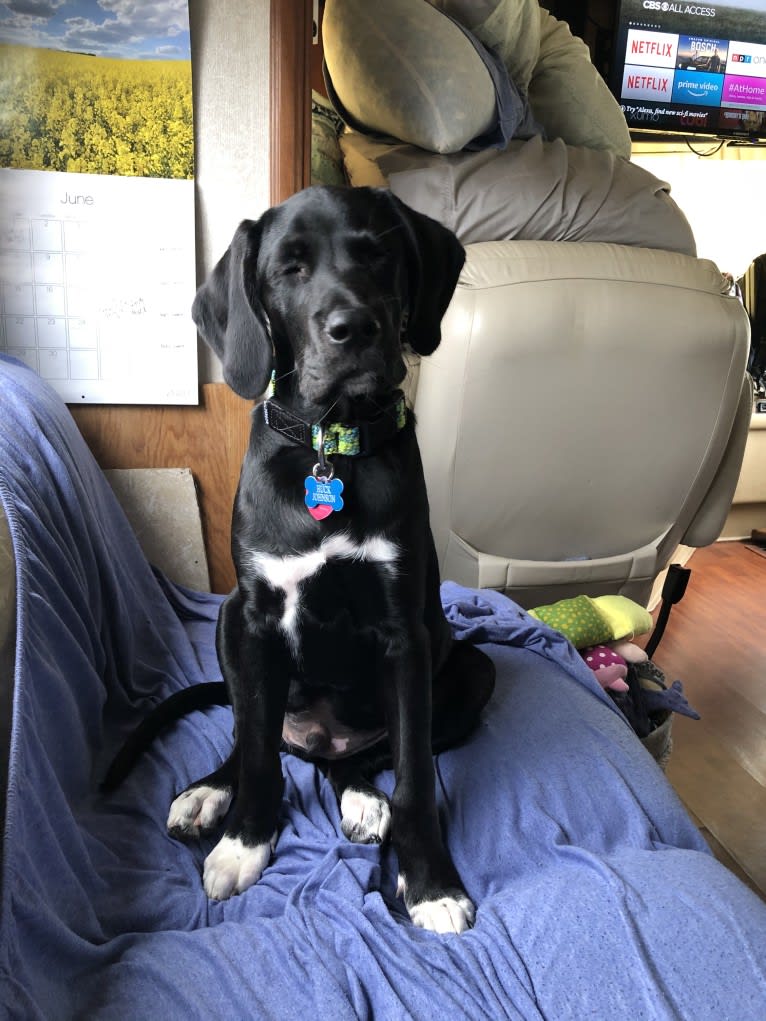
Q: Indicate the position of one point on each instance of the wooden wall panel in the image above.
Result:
(290, 117)
(210, 439)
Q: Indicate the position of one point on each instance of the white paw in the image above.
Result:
(366, 817)
(232, 867)
(198, 809)
(446, 914)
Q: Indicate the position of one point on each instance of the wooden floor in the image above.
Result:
(715, 643)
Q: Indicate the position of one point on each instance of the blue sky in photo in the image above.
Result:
(106, 28)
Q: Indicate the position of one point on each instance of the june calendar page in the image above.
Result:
(97, 264)
(97, 278)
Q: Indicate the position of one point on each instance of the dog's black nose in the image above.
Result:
(352, 324)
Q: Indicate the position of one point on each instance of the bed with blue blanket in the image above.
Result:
(596, 896)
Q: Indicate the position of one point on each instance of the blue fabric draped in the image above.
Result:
(596, 895)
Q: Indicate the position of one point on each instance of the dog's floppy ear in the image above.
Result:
(434, 260)
(231, 318)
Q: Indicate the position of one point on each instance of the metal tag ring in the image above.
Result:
(325, 472)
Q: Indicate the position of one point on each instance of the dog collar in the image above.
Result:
(339, 437)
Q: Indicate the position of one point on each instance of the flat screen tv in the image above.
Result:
(693, 68)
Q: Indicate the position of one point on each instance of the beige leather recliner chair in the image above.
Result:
(586, 412)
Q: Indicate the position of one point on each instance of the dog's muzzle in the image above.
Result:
(358, 326)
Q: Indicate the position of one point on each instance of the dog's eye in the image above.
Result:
(296, 269)
(293, 260)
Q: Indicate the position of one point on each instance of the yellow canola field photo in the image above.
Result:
(83, 114)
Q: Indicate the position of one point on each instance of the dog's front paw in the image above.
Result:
(446, 914)
(197, 810)
(232, 867)
(450, 912)
(366, 816)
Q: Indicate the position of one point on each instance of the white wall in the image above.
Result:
(230, 65)
(723, 197)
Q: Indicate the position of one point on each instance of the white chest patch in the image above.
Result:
(290, 572)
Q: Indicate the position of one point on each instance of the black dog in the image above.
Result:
(334, 645)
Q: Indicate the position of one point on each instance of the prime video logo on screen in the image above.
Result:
(693, 87)
(661, 5)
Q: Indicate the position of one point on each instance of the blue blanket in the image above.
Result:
(596, 896)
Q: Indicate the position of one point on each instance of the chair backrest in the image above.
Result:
(586, 411)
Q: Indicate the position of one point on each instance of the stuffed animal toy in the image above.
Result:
(609, 667)
(586, 622)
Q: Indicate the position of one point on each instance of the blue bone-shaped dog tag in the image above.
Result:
(323, 493)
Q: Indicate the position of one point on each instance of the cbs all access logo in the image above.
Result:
(675, 8)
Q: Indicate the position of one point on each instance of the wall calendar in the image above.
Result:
(97, 266)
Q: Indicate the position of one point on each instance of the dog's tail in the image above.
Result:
(197, 696)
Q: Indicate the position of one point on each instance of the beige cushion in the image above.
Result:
(510, 27)
(404, 70)
(532, 190)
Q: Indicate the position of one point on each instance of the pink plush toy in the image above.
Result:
(609, 666)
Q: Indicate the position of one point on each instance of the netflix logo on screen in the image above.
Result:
(647, 83)
(657, 49)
